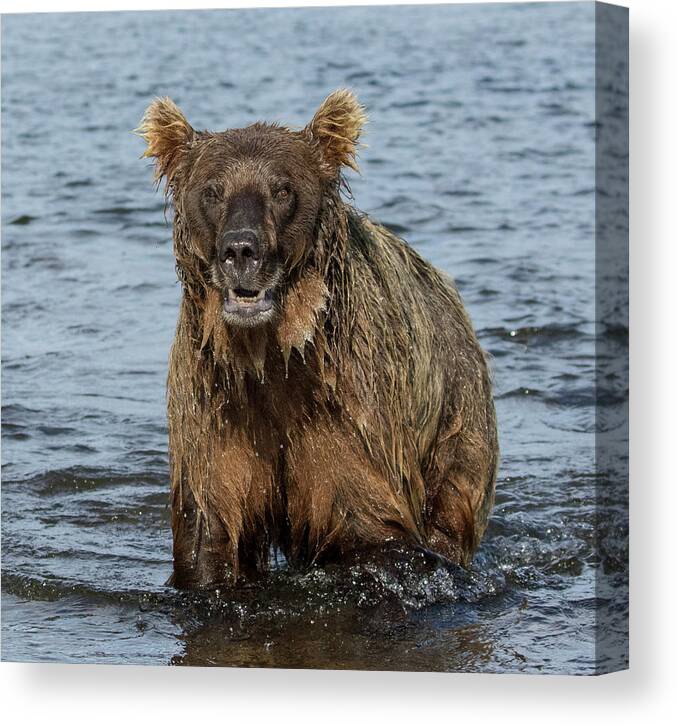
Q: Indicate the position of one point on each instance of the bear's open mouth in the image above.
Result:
(248, 303)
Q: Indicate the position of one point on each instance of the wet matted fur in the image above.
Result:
(360, 411)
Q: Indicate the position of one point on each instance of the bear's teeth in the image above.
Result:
(233, 296)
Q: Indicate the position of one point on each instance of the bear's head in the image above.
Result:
(249, 199)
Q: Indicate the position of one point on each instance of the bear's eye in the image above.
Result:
(210, 194)
(282, 194)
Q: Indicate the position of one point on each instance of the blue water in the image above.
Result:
(480, 152)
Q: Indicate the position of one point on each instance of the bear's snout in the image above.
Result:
(240, 254)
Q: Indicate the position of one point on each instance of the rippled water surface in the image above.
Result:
(480, 152)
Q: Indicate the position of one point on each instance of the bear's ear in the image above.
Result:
(335, 129)
(167, 133)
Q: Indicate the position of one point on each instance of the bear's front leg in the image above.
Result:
(222, 510)
(200, 546)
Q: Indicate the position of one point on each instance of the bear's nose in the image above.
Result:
(241, 251)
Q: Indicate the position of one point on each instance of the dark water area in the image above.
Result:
(480, 153)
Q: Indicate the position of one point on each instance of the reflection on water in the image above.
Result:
(480, 152)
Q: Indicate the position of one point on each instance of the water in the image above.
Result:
(480, 152)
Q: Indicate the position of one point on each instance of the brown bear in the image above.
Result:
(326, 390)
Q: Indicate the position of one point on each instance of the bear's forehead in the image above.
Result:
(261, 142)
